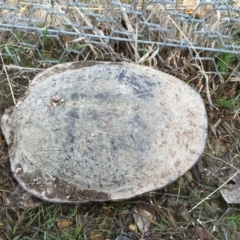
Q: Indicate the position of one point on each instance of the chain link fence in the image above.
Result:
(38, 33)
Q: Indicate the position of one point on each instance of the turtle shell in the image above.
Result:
(97, 131)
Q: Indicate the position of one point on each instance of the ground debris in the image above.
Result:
(143, 216)
(178, 209)
(64, 223)
(231, 190)
(22, 199)
(199, 233)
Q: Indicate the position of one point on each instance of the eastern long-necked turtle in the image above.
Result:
(96, 131)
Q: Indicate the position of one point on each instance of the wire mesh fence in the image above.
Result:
(35, 33)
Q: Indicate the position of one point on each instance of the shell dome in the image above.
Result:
(97, 131)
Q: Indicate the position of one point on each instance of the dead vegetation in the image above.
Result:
(190, 208)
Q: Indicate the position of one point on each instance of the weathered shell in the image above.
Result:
(95, 131)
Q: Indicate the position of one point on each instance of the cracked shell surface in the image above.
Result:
(95, 131)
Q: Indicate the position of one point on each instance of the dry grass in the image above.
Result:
(190, 208)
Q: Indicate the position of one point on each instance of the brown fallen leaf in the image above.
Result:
(64, 223)
(143, 217)
(231, 190)
(199, 233)
(95, 236)
(178, 209)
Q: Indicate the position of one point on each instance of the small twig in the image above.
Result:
(11, 66)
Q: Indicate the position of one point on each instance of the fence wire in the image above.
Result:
(73, 26)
